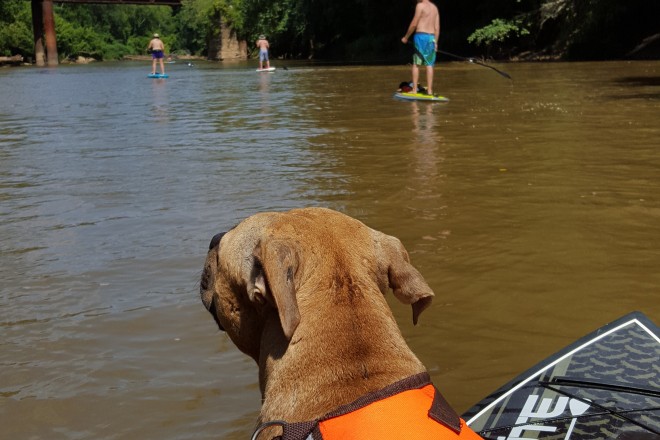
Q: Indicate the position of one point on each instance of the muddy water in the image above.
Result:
(532, 207)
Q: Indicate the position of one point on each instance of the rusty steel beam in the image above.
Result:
(49, 33)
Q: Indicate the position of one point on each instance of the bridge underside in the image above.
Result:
(127, 2)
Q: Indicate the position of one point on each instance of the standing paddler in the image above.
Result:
(157, 49)
(426, 26)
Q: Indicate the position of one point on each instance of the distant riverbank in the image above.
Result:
(174, 57)
(11, 61)
(18, 60)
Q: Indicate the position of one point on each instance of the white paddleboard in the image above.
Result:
(270, 69)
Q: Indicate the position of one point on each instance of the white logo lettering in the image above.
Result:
(545, 410)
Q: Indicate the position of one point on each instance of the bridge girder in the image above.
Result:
(126, 2)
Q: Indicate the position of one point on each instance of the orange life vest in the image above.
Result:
(411, 409)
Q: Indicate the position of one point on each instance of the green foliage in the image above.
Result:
(198, 21)
(193, 24)
(75, 40)
(599, 29)
(111, 31)
(15, 38)
(284, 22)
(499, 31)
(355, 29)
(101, 31)
(115, 50)
(16, 28)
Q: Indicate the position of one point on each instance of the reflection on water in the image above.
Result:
(426, 152)
(265, 102)
(530, 206)
(160, 105)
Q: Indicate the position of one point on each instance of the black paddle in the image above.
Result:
(472, 60)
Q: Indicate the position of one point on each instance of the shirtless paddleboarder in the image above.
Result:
(157, 49)
(426, 26)
(263, 46)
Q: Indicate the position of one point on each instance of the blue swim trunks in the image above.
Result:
(263, 55)
(157, 54)
(425, 49)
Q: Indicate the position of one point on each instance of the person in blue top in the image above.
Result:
(426, 26)
(157, 49)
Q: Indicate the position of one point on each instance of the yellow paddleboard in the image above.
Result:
(408, 96)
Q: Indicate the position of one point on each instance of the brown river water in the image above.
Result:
(532, 208)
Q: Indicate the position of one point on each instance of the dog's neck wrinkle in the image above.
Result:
(302, 395)
(332, 362)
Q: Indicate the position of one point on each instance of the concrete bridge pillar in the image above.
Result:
(224, 45)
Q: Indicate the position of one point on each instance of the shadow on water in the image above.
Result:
(640, 81)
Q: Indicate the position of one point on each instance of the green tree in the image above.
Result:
(598, 29)
(111, 31)
(343, 29)
(198, 22)
(497, 34)
(282, 21)
(16, 28)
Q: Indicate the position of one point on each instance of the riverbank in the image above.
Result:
(648, 51)
(15, 60)
(19, 60)
(174, 57)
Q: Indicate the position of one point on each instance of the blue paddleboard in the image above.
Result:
(158, 75)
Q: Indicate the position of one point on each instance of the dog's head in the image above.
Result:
(270, 264)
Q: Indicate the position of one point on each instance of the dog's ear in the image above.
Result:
(406, 282)
(272, 280)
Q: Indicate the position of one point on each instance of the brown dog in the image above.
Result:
(302, 293)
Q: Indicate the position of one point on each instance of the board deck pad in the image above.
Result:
(408, 96)
(158, 75)
(606, 385)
